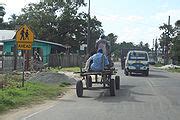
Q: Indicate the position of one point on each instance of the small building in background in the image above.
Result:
(11, 58)
(5, 35)
(44, 48)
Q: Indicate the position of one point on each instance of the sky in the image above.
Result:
(131, 20)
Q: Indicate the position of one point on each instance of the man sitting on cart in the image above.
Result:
(97, 62)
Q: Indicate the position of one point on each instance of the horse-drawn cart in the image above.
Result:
(102, 61)
(106, 80)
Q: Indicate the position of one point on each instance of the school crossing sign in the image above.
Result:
(24, 38)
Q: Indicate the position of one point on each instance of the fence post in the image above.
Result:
(15, 57)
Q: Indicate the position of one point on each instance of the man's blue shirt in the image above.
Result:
(97, 62)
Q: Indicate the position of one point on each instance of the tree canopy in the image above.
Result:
(58, 22)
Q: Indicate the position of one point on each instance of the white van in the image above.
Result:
(137, 62)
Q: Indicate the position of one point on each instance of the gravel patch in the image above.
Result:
(53, 78)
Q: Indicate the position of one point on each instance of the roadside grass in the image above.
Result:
(158, 65)
(174, 70)
(67, 69)
(14, 96)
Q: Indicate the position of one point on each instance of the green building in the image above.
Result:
(44, 48)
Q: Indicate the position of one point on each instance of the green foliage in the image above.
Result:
(2, 12)
(64, 84)
(175, 49)
(174, 70)
(165, 40)
(55, 69)
(158, 65)
(167, 35)
(176, 46)
(143, 46)
(71, 69)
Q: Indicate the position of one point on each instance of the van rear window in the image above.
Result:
(138, 56)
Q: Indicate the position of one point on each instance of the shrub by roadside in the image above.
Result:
(158, 65)
(174, 70)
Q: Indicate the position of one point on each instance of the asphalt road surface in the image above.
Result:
(156, 97)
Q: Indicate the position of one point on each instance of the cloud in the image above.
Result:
(148, 28)
(14, 7)
(162, 17)
(111, 18)
(133, 18)
(137, 34)
(129, 34)
(118, 18)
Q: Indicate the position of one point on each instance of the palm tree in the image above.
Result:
(2, 12)
(166, 39)
(12, 21)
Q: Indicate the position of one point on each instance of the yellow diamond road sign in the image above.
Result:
(24, 35)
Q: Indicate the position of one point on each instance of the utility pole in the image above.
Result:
(153, 46)
(156, 47)
(166, 44)
(88, 32)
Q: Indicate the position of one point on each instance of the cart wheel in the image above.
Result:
(117, 81)
(79, 88)
(88, 81)
(112, 87)
(126, 72)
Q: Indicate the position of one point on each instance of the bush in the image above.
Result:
(158, 65)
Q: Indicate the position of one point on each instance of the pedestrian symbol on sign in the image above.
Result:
(24, 35)
(27, 34)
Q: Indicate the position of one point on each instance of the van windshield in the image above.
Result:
(138, 56)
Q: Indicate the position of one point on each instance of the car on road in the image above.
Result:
(137, 62)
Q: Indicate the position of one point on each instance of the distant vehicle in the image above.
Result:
(152, 58)
(152, 61)
(123, 55)
(137, 62)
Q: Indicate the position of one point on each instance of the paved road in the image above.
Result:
(156, 97)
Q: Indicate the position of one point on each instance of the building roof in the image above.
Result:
(7, 34)
(41, 41)
(52, 43)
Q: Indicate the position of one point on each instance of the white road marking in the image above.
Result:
(31, 115)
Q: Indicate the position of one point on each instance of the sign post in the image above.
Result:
(24, 40)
